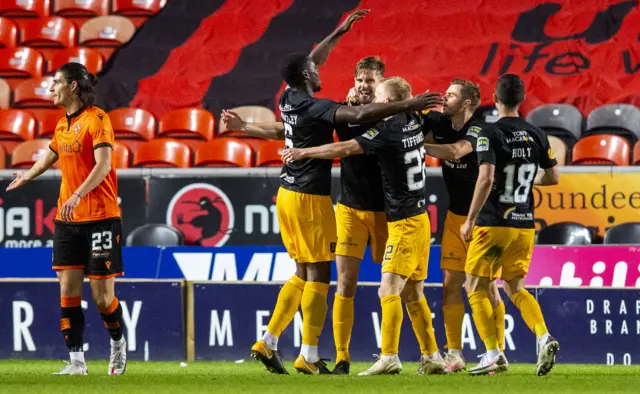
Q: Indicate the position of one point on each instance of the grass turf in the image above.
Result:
(17, 376)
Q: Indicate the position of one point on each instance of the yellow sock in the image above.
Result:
(286, 306)
(530, 310)
(453, 315)
(483, 318)
(342, 326)
(422, 324)
(498, 315)
(314, 311)
(391, 324)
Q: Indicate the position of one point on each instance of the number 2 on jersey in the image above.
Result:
(415, 173)
(526, 175)
(288, 133)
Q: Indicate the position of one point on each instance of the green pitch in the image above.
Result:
(34, 377)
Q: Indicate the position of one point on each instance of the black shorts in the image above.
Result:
(94, 247)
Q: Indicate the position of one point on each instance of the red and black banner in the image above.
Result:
(218, 54)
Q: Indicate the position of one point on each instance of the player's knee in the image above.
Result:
(319, 272)
(347, 285)
(70, 285)
(103, 300)
(494, 294)
(412, 293)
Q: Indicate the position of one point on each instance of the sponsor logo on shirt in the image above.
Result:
(474, 131)
(483, 144)
(370, 134)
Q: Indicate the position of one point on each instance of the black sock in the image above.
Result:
(112, 317)
(72, 323)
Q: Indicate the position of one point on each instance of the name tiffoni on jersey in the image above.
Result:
(415, 140)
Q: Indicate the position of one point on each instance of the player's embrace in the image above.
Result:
(88, 225)
(398, 143)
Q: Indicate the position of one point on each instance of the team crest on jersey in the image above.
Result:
(370, 134)
(203, 213)
(474, 131)
(482, 144)
(77, 128)
(551, 154)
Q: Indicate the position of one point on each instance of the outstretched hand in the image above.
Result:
(426, 100)
(351, 19)
(19, 181)
(232, 120)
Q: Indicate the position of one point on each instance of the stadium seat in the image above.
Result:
(33, 93)
(559, 148)
(91, 58)
(132, 126)
(25, 154)
(192, 125)
(5, 94)
(155, 235)
(16, 126)
(136, 10)
(561, 120)
(224, 152)
(250, 113)
(48, 121)
(106, 33)
(88, 8)
(636, 154)
(25, 9)
(8, 33)
(269, 154)
(619, 119)
(20, 62)
(163, 153)
(3, 157)
(486, 113)
(121, 155)
(602, 149)
(431, 161)
(564, 233)
(49, 32)
(623, 234)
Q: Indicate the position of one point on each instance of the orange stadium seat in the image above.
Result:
(8, 33)
(121, 155)
(193, 125)
(269, 154)
(250, 113)
(33, 93)
(49, 32)
(5, 94)
(25, 154)
(48, 121)
(163, 153)
(636, 154)
(431, 161)
(91, 58)
(3, 157)
(559, 148)
(106, 33)
(224, 152)
(602, 149)
(81, 8)
(25, 9)
(16, 126)
(132, 126)
(136, 10)
(20, 62)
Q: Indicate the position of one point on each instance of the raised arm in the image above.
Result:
(455, 151)
(327, 151)
(267, 130)
(320, 54)
(377, 111)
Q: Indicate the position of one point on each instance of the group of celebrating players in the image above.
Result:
(385, 134)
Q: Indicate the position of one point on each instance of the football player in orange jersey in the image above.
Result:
(88, 227)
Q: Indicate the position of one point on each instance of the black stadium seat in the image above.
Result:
(620, 119)
(560, 120)
(564, 233)
(155, 235)
(623, 234)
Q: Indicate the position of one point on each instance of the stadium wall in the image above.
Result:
(185, 320)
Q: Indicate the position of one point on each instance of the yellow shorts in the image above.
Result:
(407, 251)
(307, 225)
(454, 249)
(495, 248)
(356, 228)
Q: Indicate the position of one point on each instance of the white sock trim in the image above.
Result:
(310, 353)
(271, 340)
(77, 356)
